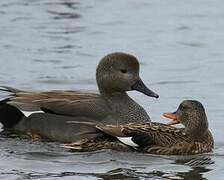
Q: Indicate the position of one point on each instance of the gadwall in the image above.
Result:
(46, 113)
(157, 138)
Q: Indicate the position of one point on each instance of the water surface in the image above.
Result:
(47, 44)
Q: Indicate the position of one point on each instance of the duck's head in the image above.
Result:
(191, 114)
(119, 72)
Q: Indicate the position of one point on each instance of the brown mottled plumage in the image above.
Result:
(158, 138)
(48, 112)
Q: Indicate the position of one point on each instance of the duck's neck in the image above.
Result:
(125, 107)
(197, 128)
(117, 97)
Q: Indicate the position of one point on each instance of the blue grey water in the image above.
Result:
(56, 44)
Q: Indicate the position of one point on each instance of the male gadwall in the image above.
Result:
(157, 138)
(46, 113)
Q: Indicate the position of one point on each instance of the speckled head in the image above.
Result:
(119, 72)
(191, 114)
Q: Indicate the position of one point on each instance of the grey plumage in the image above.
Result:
(116, 74)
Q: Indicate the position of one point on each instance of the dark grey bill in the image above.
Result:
(141, 87)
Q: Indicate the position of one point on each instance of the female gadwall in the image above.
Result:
(157, 138)
(46, 113)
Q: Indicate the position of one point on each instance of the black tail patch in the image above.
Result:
(9, 89)
(9, 115)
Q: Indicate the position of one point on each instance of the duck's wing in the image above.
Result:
(71, 103)
(184, 148)
(20, 96)
(92, 107)
(145, 134)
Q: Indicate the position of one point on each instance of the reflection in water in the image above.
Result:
(199, 165)
(121, 173)
(197, 161)
(56, 44)
(195, 173)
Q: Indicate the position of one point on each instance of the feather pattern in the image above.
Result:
(158, 138)
(153, 138)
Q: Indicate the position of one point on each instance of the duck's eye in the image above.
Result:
(183, 106)
(124, 70)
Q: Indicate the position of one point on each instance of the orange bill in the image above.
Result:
(171, 116)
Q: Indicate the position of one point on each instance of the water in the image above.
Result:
(57, 44)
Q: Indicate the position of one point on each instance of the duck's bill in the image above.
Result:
(173, 118)
(141, 87)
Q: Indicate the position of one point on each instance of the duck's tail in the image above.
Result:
(9, 115)
(9, 89)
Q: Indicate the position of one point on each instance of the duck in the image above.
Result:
(45, 113)
(155, 137)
